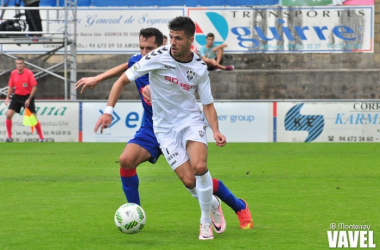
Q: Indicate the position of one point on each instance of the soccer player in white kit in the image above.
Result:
(175, 74)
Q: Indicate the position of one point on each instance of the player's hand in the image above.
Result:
(146, 94)
(6, 102)
(84, 82)
(220, 139)
(104, 121)
(27, 103)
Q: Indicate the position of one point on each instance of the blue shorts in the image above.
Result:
(145, 138)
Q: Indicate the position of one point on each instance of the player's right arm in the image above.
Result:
(106, 118)
(10, 90)
(92, 82)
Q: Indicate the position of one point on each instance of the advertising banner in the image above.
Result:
(353, 121)
(126, 120)
(105, 30)
(326, 2)
(244, 121)
(59, 123)
(238, 121)
(287, 29)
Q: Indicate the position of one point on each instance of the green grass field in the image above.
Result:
(64, 196)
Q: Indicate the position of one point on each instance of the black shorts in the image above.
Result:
(18, 101)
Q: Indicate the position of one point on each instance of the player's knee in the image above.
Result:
(189, 182)
(127, 162)
(9, 115)
(200, 168)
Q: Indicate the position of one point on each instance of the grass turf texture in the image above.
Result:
(64, 196)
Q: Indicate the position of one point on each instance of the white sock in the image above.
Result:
(215, 202)
(204, 192)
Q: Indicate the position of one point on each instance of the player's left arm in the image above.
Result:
(212, 119)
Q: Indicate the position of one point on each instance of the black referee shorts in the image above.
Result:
(18, 101)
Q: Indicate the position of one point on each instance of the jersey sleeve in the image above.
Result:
(10, 82)
(148, 63)
(33, 81)
(204, 89)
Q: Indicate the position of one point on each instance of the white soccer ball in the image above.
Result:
(130, 218)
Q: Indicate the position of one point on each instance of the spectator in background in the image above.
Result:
(212, 54)
(24, 84)
(33, 17)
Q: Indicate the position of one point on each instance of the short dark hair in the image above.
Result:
(183, 23)
(20, 59)
(210, 35)
(149, 32)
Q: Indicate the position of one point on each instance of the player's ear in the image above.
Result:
(191, 40)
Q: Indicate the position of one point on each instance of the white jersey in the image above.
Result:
(173, 85)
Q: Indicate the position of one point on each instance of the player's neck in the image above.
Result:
(20, 71)
(186, 57)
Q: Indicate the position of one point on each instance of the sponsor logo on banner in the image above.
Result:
(328, 121)
(219, 28)
(341, 235)
(59, 123)
(313, 124)
(281, 29)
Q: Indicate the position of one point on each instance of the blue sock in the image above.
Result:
(130, 183)
(221, 191)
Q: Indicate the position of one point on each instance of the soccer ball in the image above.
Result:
(130, 218)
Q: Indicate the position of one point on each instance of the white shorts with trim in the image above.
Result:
(173, 143)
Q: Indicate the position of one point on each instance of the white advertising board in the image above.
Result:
(59, 123)
(106, 30)
(244, 121)
(127, 119)
(353, 121)
(238, 121)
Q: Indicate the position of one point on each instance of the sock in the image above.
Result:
(39, 130)
(204, 192)
(215, 202)
(226, 196)
(130, 184)
(8, 124)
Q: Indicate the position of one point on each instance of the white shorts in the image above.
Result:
(173, 143)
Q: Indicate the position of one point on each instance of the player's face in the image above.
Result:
(181, 44)
(20, 65)
(147, 45)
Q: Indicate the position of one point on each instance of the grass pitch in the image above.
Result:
(64, 196)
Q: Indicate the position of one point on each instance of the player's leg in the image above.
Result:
(8, 124)
(132, 156)
(197, 152)
(193, 184)
(238, 205)
(143, 147)
(14, 107)
(32, 108)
